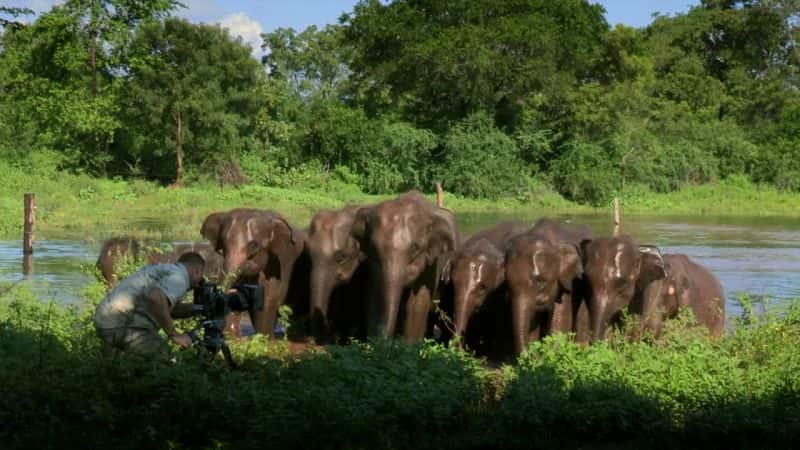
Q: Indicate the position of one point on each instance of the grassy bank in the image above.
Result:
(85, 207)
(682, 390)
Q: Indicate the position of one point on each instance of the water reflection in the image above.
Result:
(758, 256)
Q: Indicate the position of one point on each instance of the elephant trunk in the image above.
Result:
(322, 285)
(392, 293)
(462, 312)
(597, 314)
(233, 262)
(520, 321)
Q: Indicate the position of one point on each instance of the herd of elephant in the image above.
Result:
(399, 268)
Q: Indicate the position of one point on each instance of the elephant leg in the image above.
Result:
(418, 308)
(561, 319)
(537, 330)
(373, 309)
(264, 320)
(582, 323)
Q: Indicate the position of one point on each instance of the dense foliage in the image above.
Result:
(681, 390)
(493, 97)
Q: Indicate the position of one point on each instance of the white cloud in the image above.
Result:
(248, 29)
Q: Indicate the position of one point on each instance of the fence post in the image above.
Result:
(439, 195)
(30, 220)
(27, 233)
(616, 216)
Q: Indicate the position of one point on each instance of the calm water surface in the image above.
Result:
(755, 256)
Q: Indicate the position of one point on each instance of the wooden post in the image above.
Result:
(439, 195)
(27, 265)
(30, 219)
(616, 216)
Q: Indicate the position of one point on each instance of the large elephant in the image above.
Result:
(118, 248)
(338, 279)
(544, 273)
(617, 268)
(406, 241)
(258, 246)
(686, 285)
(475, 291)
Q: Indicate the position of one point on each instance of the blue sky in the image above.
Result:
(250, 18)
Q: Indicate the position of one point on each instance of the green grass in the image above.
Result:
(80, 206)
(681, 390)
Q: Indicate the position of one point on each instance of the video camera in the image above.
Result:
(213, 304)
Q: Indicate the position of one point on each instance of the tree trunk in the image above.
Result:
(178, 151)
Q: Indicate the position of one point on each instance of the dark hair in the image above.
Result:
(192, 259)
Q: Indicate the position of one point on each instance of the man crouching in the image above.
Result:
(129, 317)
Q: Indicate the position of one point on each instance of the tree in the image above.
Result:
(189, 87)
(441, 60)
(312, 62)
(47, 101)
(13, 12)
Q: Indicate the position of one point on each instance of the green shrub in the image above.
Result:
(680, 390)
(481, 161)
(585, 173)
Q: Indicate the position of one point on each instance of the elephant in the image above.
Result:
(112, 252)
(117, 248)
(616, 268)
(474, 290)
(338, 279)
(686, 285)
(406, 241)
(260, 246)
(544, 272)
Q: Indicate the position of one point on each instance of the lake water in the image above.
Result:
(756, 256)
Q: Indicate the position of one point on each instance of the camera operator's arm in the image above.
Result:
(159, 307)
(182, 311)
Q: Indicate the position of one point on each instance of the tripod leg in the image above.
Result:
(226, 352)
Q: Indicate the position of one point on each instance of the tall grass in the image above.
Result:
(683, 389)
(70, 205)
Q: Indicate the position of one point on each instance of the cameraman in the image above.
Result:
(129, 317)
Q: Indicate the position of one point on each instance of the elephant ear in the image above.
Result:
(352, 242)
(212, 229)
(444, 234)
(359, 228)
(583, 248)
(447, 269)
(276, 231)
(651, 265)
(570, 265)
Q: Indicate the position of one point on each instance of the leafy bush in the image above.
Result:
(481, 161)
(779, 164)
(401, 161)
(585, 173)
(682, 389)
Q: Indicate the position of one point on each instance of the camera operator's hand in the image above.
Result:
(182, 339)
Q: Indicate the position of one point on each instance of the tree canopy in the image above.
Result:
(493, 97)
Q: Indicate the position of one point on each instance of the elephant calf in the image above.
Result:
(475, 290)
(116, 249)
(260, 246)
(406, 241)
(686, 285)
(544, 272)
(617, 270)
(338, 279)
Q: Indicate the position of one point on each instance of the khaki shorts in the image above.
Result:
(139, 341)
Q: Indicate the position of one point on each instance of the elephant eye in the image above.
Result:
(339, 256)
(414, 248)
